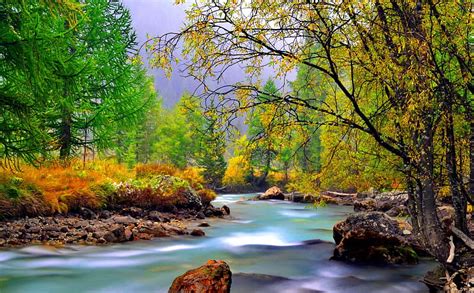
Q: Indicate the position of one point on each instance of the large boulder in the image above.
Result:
(393, 203)
(372, 237)
(272, 193)
(213, 277)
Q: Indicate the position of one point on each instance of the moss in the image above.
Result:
(408, 253)
(12, 192)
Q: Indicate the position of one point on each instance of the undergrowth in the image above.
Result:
(57, 188)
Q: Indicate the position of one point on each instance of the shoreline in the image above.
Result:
(105, 227)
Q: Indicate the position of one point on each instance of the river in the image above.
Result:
(262, 237)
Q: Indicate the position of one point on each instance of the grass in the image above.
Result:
(54, 188)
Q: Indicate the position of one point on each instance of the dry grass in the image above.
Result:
(55, 188)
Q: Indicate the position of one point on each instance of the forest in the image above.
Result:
(363, 132)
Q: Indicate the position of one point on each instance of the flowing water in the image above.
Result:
(266, 244)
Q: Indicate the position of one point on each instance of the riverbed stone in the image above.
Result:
(372, 237)
(213, 277)
(198, 233)
(272, 193)
(127, 220)
(154, 216)
(226, 210)
(87, 213)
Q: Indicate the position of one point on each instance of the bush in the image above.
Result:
(55, 188)
(206, 196)
(237, 171)
(19, 198)
(159, 192)
(193, 175)
(149, 170)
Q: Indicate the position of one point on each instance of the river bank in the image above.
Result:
(105, 227)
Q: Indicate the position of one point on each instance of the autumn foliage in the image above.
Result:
(55, 188)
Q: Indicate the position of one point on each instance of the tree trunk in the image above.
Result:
(65, 138)
(459, 201)
(471, 158)
(434, 236)
(413, 209)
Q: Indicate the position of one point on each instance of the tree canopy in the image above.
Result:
(399, 72)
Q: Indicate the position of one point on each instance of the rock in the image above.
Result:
(99, 234)
(143, 236)
(90, 229)
(200, 215)
(308, 198)
(105, 214)
(87, 213)
(133, 212)
(175, 228)
(226, 209)
(392, 202)
(126, 220)
(272, 193)
(372, 237)
(446, 215)
(109, 237)
(81, 235)
(154, 229)
(213, 277)
(198, 232)
(64, 229)
(34, 230)
(51, 228)
(128, 234)
(295, 197)
(117, 234)
(154, 216)
(204, 224)
(397, 211)
(337, 198)
(213, 212)
(364, 205)
(193, 200)
(81, 224)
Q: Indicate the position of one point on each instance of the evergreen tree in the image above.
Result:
(210, 156)
(102, 88)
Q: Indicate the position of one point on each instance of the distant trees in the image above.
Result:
(187, 135)
(263, 148)
(401, 74)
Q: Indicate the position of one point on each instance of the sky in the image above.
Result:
(157, 17)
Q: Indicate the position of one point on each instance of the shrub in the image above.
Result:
(206, 196)
(160, 192)
(147, 170)
(19, 198)
(55, 188)
(193, 175)
(238, 168)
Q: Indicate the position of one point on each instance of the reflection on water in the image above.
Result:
(265, 243)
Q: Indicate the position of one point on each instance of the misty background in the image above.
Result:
(157, 17)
